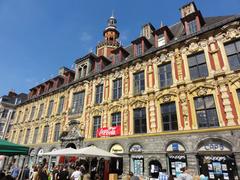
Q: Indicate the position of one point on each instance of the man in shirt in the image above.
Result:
(76, 174)
(163, 175)
(133, 177)
(184, 175)
(15, 172)
(64, 174)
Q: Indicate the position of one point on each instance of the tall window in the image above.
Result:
(169, 117)
(206, 112)
(19, 116)
(139, 49)
(40, 112)
(45, 134)
(161, 40)
(117, 89)
(97, 66)
(50, 108)
(56, 132)
(1, 126)
(238, 94)
(233, 54)
(27, 136)
(192, 26)
(96, 124)
(35, 135)
(78, 102)
(116, 119)
(197, 66)
(139, 83)
(5, 113)
(61, 104)
(32, 113)
(99, 94)
(20, 136)
(165, 75)
(140, 124)
(116, 58)
(25, 114)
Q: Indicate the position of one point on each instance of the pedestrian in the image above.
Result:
(26, 172)
(42, 175)
(163, 175)
(63, 174)
(34, 175)
(204, 176)
(76, 174)
(55, 172)
(170, 177)
(133, 177)
(15, 171)
(184, 175)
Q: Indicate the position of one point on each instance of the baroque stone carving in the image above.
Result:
(202, 91)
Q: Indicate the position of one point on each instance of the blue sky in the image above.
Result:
(39, 36)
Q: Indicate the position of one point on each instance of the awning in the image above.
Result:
(60, 152)
(93, 151)
(10, 149)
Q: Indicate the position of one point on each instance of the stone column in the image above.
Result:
(126, 163)
(237, 160)
(192, 163)
(152, 114)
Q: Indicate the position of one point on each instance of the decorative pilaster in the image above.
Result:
(179, 66)
(105, 115)
(150, 76)
(126, 82)
(126, 119)
(152, 114)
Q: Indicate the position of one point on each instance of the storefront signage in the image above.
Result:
(214, 147)
(136, 148)
(215, 158)
(106, 132)
(116, 149)
(179, 157)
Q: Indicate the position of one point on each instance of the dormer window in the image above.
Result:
(192, 26)
(161, 40)
(98, 66)
(139, 49)
(117, 58)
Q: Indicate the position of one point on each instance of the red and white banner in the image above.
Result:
(106, 132)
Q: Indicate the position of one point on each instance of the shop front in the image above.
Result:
(116, 164)
(136, 159)
(176, 158)
(216, 159)
(154, 168)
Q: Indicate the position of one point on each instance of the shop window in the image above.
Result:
(154, 168)
(137, 160)
(25, 115)
(176, 158)
(165, 75)
(140, 125)
(169, 116)
(96, 125)
(139, 83)
(233, 54)
(197, 66)
(78, 102)
(99, 94)
(206, 112)
(5, 113)
(117, 89)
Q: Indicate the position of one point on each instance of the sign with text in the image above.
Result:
(107, 132)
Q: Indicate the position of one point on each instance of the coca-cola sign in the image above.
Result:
(107, 132)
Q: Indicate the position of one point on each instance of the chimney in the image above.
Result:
(147, 30)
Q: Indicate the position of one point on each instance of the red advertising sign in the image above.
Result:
(111, 131)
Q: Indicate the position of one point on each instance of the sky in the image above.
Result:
(37, 37)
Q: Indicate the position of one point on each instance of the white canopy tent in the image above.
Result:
(60, 152)
(92, 151)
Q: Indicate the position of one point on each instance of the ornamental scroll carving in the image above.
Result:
(179, 64)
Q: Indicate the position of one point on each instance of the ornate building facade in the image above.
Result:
(168, 100)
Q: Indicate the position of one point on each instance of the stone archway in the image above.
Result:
(71, 145)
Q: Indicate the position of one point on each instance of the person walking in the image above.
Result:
(163, 175)
(76, 174)
(133, 177)
(26, 172)
(64, 174)
(15, 171)
(184, 175)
